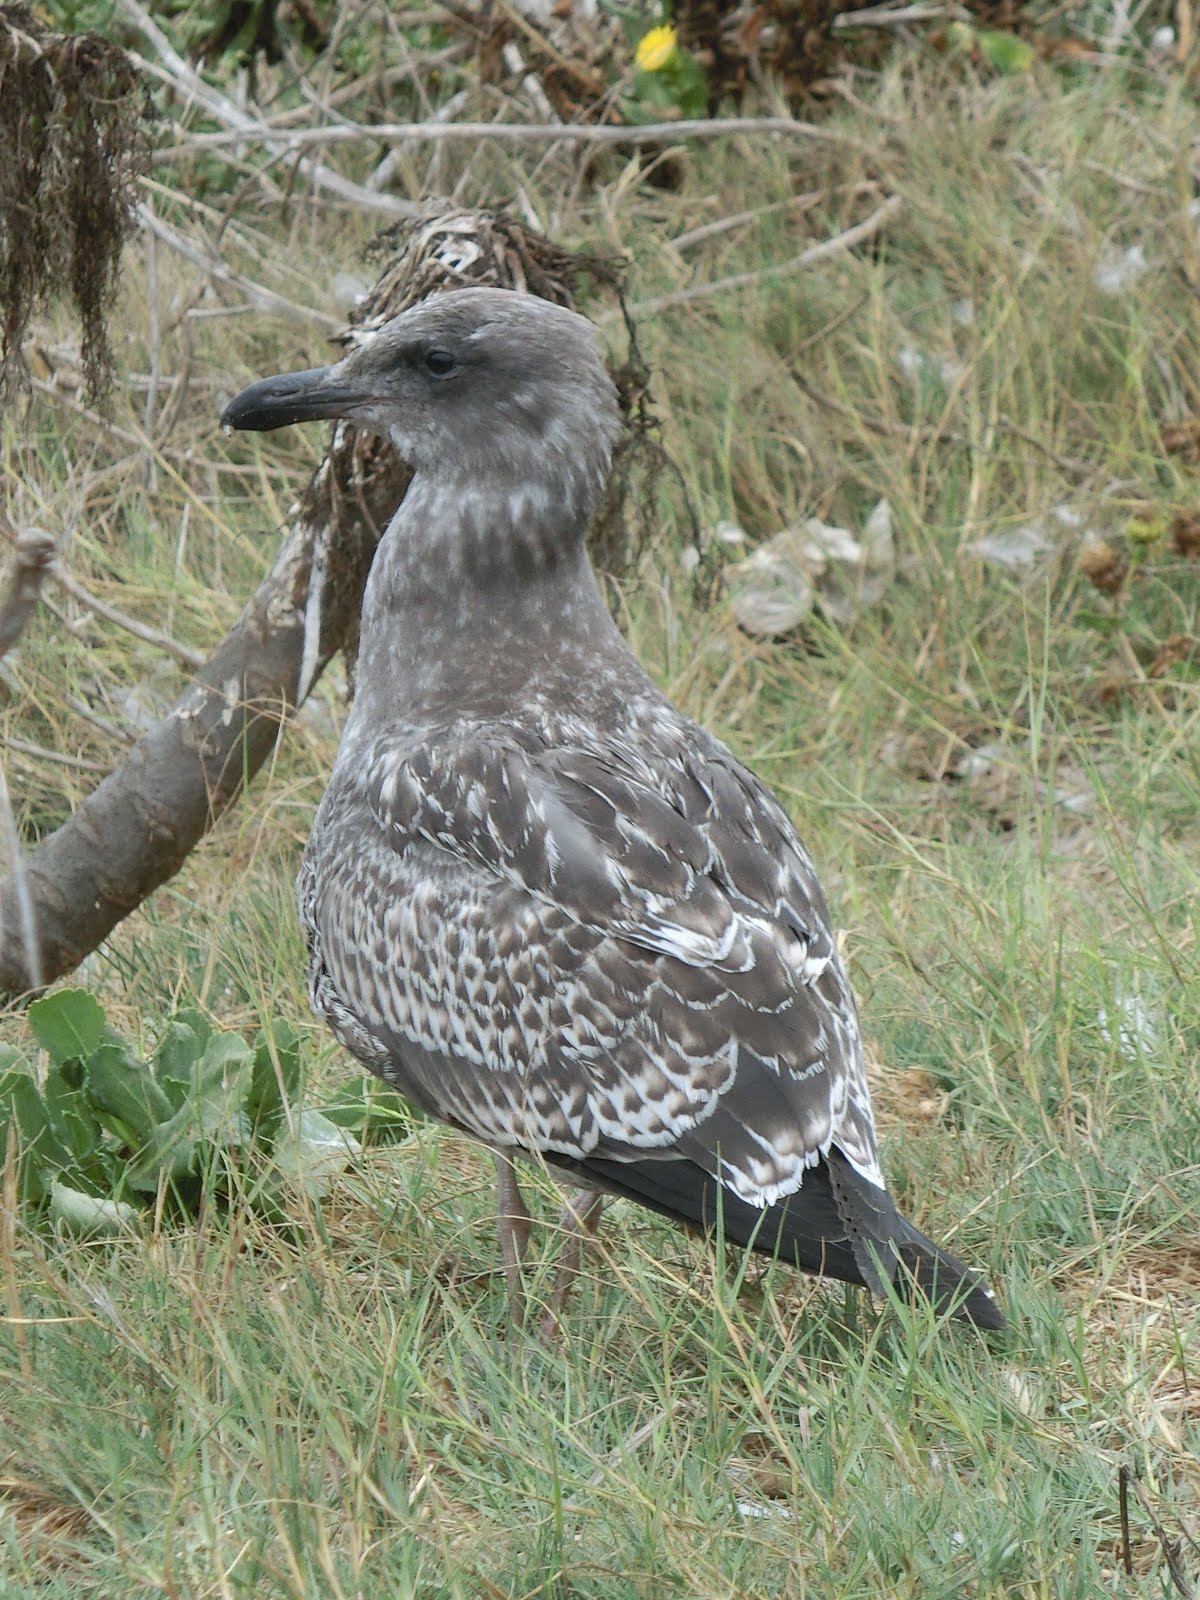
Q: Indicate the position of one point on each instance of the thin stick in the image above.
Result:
(243, 127)
(739, 219)
(155, 359)
(1123, 1500)
(40, 753)
(898, 16)
(867, 229)
(296, 139)
(262, 299)
(183, 653)
(1170, 1549)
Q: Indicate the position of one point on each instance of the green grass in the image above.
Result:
(214, 1412)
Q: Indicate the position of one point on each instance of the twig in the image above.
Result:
(242, 126)
(386, 169)
(1073, 467)
(1123, 1500)
(880, 425)
(295, 139)
(867, 229)
(739, 219)
(182, 653)
(33, 556)
(1170, 1547)
(515, 63)
(898, 16)
(261, 298)
(20, 882)
(39, 752)
(587, 78)
(155, 358)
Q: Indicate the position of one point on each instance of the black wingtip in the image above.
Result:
(946, 1283)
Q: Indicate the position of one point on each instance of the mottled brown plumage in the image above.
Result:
(542, 902)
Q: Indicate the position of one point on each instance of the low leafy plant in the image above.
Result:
(104, 1135)
(667, 80)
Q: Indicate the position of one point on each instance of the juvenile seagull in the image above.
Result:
(540, 901)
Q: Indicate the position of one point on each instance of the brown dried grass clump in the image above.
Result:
(71, 128)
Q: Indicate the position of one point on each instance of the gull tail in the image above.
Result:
(876, 1232)
(943, 1280)
(836, 1225)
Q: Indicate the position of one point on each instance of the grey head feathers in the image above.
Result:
(480, 387)
(542, 902)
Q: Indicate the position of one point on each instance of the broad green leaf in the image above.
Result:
(71, 1119)
(169, 1151)
(87, 1214)
(215, 1098)
(175, 1060)
(1005, 52)
(123, 1086)
(21, 1103)
(373, 1112)
(222, 1081)
(68, 1024)
(276, 1077)
(200, 1025)
(43, 1152)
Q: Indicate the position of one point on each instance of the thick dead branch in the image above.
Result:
(136, 829)
(33, 556)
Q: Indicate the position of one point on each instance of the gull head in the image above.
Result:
(475, 387)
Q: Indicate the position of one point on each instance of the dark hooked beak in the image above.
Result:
(293, 397)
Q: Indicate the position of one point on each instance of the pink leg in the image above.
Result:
(513, 1222)
(580, 1219)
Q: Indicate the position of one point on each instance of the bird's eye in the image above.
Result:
(441, 363)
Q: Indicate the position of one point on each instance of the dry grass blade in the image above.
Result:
(898, 16)
(256, 295)
(179, 652)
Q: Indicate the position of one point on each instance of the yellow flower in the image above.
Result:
(655, 49)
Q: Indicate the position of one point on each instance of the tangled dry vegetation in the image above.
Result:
(970, 297)
(74, 141)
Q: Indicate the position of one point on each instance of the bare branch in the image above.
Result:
(898, 16)
(260, 298)
(867, 229)
(700, 128)
(243, 126)
(60, 758)
(140, 630)
(134, 831)
(33, 556)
